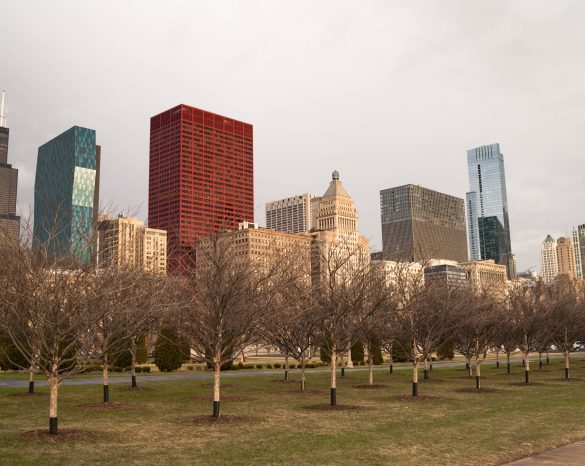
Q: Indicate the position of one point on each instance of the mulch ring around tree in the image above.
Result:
(134, 389)
(223, 398)
(371, 387)
(28, 395)
(63, 435)
(418, 398)
(477, 390)
(328, 407)
(101, 405)
(306, 392)
(523, 384)
(207, 420)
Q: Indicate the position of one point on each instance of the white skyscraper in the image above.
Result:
(295, 214)
(549, 265)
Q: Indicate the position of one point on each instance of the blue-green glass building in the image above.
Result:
(67, 194)
(488, 222)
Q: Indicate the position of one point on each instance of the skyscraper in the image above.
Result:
(295, 214)
(579, 248)
(422, 224)
(9, 221)
(566, 257)
(66, 193)
(549, 265)
(201, 176)
(487, 207)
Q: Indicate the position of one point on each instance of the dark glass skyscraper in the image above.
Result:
(487, 207)
(66, 193)
(9, 221)
(422, 224)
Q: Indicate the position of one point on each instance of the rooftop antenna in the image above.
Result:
(2, 116)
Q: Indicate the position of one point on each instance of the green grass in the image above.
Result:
(457, 428)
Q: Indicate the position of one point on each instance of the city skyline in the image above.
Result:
(408, 93)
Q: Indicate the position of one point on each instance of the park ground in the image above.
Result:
(266, 421)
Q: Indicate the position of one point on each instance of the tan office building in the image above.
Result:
(126, 242)
(486, 276)
(566, 257)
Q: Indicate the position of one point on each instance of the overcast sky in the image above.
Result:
(386, 92)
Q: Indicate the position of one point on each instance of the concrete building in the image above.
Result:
(67, 194)
(422, 224)
(9, 221)
(486, 276)
(126, 242)
(337, 232)
(447, 274)
(549, 265)
(295, 214)
(487, 207)
(566, 257)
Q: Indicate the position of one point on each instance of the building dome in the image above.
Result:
(335, 175)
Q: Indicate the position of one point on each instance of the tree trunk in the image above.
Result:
(370, 369)
(508, 360)
(133, 353)
(106, 377)
(469, 368)
(342, 362)
(426, 369)
(216, 386)
(286, 367)
(477, 373)
(567, 356)
(547, 358)
(303, 383)
(31, 380)
(333, 376)
(539, 360)
(415, 377)
(497, 358)
(53, 397)
(526, 368)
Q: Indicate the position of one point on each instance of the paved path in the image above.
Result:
(568, 455)
(97, 380)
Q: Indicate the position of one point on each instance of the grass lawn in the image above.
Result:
(276, 425)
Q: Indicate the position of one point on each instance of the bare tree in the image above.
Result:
(48, 312)
(339, 289)
(564, 317)
(226, 300)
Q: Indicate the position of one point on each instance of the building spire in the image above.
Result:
(2, 115)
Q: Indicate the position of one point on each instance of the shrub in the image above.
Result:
(278, 366)
(146, 369)
(357, 353)
(310, 365)
(258, 366)
(141, 352)
(268, 366)
(240, 365)
(170, 350)
(248, 366)
(324, 355)
(115, 369)
(377, 358)
(445, 351)
(190, 367)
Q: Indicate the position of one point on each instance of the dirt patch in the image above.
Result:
(476, 390)
(28, 395)
(109, 405)
(63, 435)
(418, 398)
(371, 387)
(223, 385)
(223, 398)
(345, 377)
(307, 392)
(286, 381)
(206, 420)
(328, 407)
(134, 389)
(433, 379)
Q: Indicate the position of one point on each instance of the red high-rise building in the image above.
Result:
(201, 176)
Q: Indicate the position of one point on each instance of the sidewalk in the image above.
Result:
(572, 454)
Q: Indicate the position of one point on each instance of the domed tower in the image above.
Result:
(337, 210)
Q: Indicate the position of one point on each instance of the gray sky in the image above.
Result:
(386, 92)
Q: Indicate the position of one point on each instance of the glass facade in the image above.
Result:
(487, 207)
(9, 221)
(65, 193)
(579, 248)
